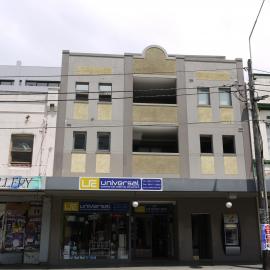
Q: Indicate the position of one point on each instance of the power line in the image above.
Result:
(265, 71)
(226, 123)
(10, 92)
(115, 98)
(114, 74)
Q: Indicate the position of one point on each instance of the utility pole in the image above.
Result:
(261, 187)
(259, 163)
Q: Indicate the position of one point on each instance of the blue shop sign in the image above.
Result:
(152, 184)
(121, 183)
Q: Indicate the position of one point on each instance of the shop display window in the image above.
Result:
(96, 235)
(20, 227)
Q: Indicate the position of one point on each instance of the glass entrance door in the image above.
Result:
(153, 236)
(160, 236)
(143, 237)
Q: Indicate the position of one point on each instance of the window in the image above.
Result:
(203, 96)
(103, 139)
(228, 144)
(21, 149)
(206, 143)
(42, 83)
(225, 98)
(79, 140)
(6, 82)
(82, 90)
(268, 138)
(105, 92)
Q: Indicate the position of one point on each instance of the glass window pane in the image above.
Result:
(22, 143)
(54, 84)
(228, 144)
(206, 144)
(225, 97)
(79, 141)
(6, 82)
(105, 87)
(82, 86)
(21, 151)
(103, 141)
(268, 138)
(203, 96)
(30, 83)
(42, 83)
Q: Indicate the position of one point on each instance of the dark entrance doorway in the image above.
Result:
(201, 236)
(153, 233)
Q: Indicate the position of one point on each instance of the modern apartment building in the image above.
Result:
(152, 160)
(28, 110)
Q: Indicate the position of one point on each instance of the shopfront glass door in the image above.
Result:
(153, 236)
(143, 237)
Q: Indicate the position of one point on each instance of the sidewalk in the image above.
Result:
(186, 267)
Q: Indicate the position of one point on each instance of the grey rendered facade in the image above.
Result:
(161, 137)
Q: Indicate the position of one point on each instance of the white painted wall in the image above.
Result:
(13, 118)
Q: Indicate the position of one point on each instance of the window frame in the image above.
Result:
(81, 93)
(228, 91)
(85, 141)
(12, 150)
(234, 145)
(208, 94)
(7, 82)
(42, 83)
(212, 145)
(99, 133)
(102, 93)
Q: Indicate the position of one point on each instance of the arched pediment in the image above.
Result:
(154, 60)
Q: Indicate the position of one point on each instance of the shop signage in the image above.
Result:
(154, 209)
(265, 236)
(119, 183)
(118, 207)
(71, 206)
(21, 182)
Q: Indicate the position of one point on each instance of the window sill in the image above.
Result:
(104, 102)
(225, 106)
(207, 154)
(103, 152)
(78, 151)
(20, 165)
(81, 101)
(204, 106)
(229, 155)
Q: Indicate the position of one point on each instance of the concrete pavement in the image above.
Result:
(176, 267)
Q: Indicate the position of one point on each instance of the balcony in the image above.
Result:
(155, 151)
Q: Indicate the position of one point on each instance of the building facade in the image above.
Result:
(262, 87)
(151, 149)
(28, 97)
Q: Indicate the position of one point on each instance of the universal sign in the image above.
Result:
(120, 183)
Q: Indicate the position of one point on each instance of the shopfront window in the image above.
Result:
(95, 230)
(20, 229)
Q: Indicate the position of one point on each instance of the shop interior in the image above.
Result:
(153, 231)
(95, 236)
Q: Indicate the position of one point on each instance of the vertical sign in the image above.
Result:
(265, 229)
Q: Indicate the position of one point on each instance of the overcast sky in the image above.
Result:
(36, 31)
